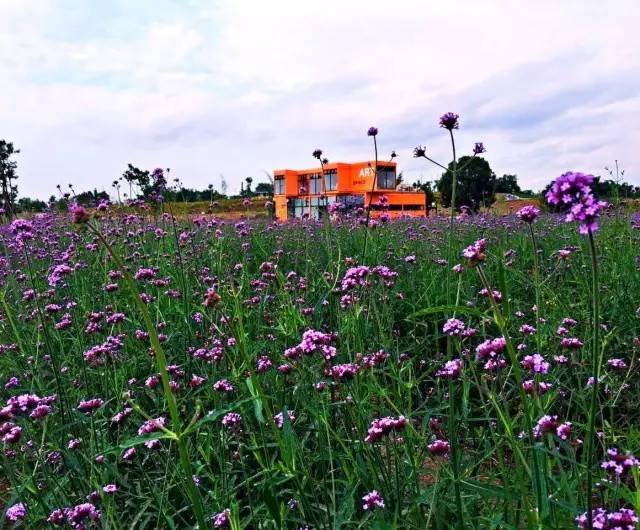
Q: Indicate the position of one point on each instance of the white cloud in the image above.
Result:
(247, 86)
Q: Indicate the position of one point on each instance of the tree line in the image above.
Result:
(477, 186)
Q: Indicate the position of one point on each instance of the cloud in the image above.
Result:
(245, 86)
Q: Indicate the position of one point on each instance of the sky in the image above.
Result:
(239, 87)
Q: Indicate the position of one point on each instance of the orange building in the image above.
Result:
(310, 192)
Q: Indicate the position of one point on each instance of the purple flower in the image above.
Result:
(528, 213)
(439, 448)
(221, 520)
(373, 131)
(79, 214)
(317, 154)
(478, 148)
(17, 512)
(573, 190)
(453, 327)
(619, 462)
(382, 426)
(279, 418)
(152, 425)
(90, 405)
(420, 152)
(535, 363)
(449, 121)
(232, 420)
(372, 500)
(450, 370)
(476, 253)
(623, 519)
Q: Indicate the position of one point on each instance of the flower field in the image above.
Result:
(159, 373)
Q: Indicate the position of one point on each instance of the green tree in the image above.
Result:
(264, 188)
(136, 176)
(475, 185)
(26, 204)
(507, 184)
(8, 175)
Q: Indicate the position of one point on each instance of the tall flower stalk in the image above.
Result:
(573, 191)
(373, 132)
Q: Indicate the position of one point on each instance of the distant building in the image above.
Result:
(308, 193)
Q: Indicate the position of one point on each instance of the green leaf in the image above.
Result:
(257, 400)
(488, 491)
(471, 311)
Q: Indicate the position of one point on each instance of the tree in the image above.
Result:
(25, 204)
(249, 181)
(264, 188)
(507, 184)
(475, 185)
(137, 176)
(223, 184)
(91, 198)
(7, 176)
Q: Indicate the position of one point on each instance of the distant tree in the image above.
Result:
(249, 181)
(7, 175)
(223, 184)
(91, 198)
(507, 184)
(475, 185)
(25, 204)
(136, 176)
(264, 188)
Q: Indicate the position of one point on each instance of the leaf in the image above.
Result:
(137, 440)
(487, 490)
(257, 401)
(215, 414)
(289, 441)
(471, 311)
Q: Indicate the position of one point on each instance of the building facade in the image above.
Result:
(308, 193)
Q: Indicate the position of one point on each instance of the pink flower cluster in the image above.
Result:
(550, 425)
(383, 426)
(313, 341)
(623, 519)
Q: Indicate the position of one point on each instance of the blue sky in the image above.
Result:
(234, 88)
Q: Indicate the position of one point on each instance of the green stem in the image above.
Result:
(373, 187)
(595, 368)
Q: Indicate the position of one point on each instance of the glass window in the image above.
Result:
(330, 180)
(278, 188)
(315, 184)
(386, 178)
(303, 185)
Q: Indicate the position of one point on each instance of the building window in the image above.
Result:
(386, 178)
(331, 180)
(278, 186)
(303, 185)
(315, 184)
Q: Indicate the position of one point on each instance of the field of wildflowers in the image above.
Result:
(471, 372)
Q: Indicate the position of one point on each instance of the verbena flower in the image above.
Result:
(476, 253)
(449, 121)
(573, 191)
(373, 131)
(623, 519)
(372, 500)
(528, 214)
(478, 148)
(17, 512)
